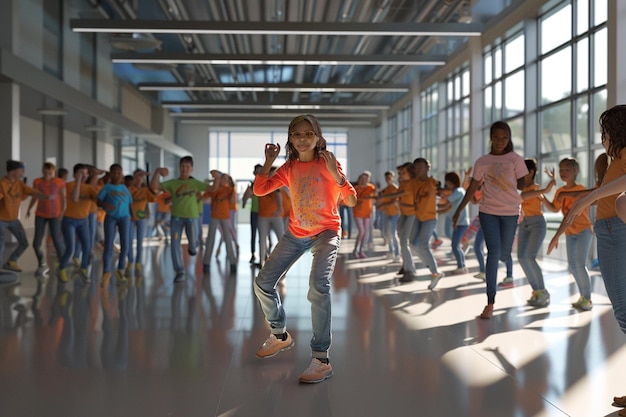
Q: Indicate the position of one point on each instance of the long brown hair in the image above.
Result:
(613, 123)
(292, 153)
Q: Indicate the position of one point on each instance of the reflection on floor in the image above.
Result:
(154, 348)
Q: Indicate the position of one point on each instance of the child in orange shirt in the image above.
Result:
(270, 218)
(222, 196)
(578, 234)
(316, 181)
(426, 218)
(142, 195)
(362, 213)
(75, 223)
(49, 212)
(12, 191)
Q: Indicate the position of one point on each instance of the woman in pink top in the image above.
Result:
(316, 181)
(503, 172)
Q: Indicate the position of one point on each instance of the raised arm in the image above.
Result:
(155, 182)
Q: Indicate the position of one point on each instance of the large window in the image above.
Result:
(573, 75)
(456, 142)
(429, 124)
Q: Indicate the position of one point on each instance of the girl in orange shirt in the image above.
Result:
(578, 234)
(222, 196)
(316, 182)
(142, 195)
(362, 213)
(531, 232)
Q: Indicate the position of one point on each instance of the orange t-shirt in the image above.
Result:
(13, 193)
(606, 205)
(390, 209)
(80, 209)
(314, 195)
(532, 206)
(286, 201)
(163, 201)
(141, 197)
(220, 202)
(268, 205)
(407, 199)
(363, 208)
(426, 199)
(50, 208)
(581, 222)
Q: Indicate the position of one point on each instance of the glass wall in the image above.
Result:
(573, 75)
(429, 124)
(456, 111)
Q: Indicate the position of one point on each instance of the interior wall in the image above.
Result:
(361, 155)
(195, 138)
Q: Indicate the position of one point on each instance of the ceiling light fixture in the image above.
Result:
(52, 111)
(330, 60)
(188, 105)
(225, 115)
(275, 28)
(276, 88)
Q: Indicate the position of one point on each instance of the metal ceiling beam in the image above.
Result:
(278, 88)
(272, 106)
(263, 59)
(276, 28)
(235, 114)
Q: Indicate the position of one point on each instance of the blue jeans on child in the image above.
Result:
(499, 232)
(16, 228)
(457, 235)
(54, 229)
(578, 247)
(139, 227)
(73, 230)
(288, 250)
(390, 231)
(532, 231)
(176, 229)
(123, 227)
(421, 243)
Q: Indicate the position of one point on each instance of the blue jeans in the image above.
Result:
(390, 231)
(288, 250)
(457, 235)
(92, 224)
(499, 232)
(532, 231)
(405, 228)
(423, 232)
(54, 228)
(578, 247)
(123, 227)
(611, 238)
(345, 213)
(447, 225)
(480, 256)
(139, 226)
(214, 224)
(176, 229)
(16, 228)
(78, 228)
(254, 227)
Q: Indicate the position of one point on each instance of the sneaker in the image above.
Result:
(362, 255)
(459, 271)
(76, 261)
(506, 283)
(84, 276)
(317, 371)
(532, 301)
(543, 298)
(480, 276)
(41, 271)
(436, 244)
(179, 277)
(396, 259)
(129, 268)
(434, 280)
(138, 269)
(121, 278)
(63, 275)
(273, 345)
(407, 277)
(12, 266)
(583, 304)
(401, 271)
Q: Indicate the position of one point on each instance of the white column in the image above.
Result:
(616, 27)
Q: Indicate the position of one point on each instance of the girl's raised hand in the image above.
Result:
(329, 158)
(549, 172)
(271, 151)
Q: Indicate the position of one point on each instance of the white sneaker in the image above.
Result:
(434, 280)
(396, 259)
(316, 372)
(480, 275)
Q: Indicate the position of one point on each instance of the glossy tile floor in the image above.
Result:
(158, 349)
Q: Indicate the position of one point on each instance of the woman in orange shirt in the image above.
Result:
(362, 213)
